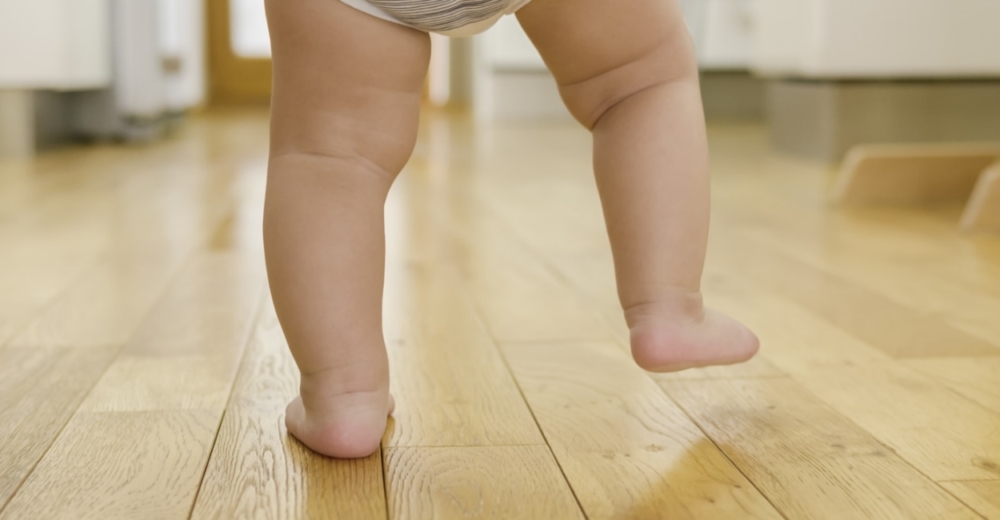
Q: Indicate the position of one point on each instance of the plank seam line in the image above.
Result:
(586, 300)
(947, 387)
(517, 384)
(385, 481)
(51, 302)
(62, 428)
(552, 269)
(960, 501)
(117, 355)
(477, 311)
(888, 447)
(178, 270)
(716, 444)
(768, 247)
(247, 337)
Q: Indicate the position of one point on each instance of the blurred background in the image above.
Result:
(823, 75)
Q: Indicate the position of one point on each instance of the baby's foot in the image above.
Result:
(336, 421)
(679, 333)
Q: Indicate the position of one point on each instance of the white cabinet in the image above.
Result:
(722, 31)
(54, 44)
(866, 39)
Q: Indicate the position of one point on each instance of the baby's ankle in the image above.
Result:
(319, 387)
(681, 305)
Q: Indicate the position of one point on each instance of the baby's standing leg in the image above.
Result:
(344, 121)
(627, 71)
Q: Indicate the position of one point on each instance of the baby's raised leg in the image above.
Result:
(344, 120)
(627, 71)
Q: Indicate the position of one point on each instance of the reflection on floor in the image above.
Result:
(143, 374)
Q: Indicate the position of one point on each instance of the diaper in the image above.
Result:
(456, 18)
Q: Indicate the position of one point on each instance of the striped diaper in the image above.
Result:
(450, 17)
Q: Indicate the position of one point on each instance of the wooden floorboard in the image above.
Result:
(942, 434)
(120, 465)
(143, 373)
(981, 495)
(184, 356)
(40, 388)
(907, 278)
(451, 384)
(147, 427)
(975, 378)
(516, 482)
(627, 450)
(898, 329)
(808, 459)
(904, 409)
(257, 470)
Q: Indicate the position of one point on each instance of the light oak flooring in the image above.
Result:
(143, 373)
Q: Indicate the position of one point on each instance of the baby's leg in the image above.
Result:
(627, 71)
(344, 120)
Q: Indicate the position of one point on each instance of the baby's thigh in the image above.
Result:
(343, 78)
(602, 50)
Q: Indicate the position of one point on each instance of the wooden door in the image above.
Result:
(233, 79)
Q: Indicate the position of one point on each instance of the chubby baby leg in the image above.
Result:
(627, 71)
(344, 120)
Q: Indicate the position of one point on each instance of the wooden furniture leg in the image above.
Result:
(983, 211)
(912, 174)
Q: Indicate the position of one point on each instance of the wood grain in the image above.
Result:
(450, 383)
(120, 465)
(36, 265)
(974, 378)
(494, 482)
(268, 377)
(519, 296)
(184, 356)
(943, 435)
(90, 235)
(903, 409)
(626, 449)
(894, 328)
(39, 391)
(810, 461)
(981, 495)
(908, 276)
(103, 308)
(792, 337)
(258, 471)
(208, 310)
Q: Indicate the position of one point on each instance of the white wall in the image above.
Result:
(878, 38)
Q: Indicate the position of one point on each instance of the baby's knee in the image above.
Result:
(342, 149)
(670, 61)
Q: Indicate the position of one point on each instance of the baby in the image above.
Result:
(348, 76)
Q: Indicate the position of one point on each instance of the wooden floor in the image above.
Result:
(143, 373)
